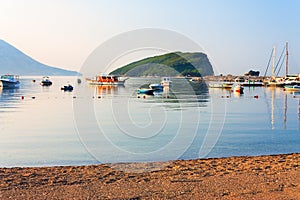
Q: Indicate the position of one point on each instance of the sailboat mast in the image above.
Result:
(273, 62)
(287, 60)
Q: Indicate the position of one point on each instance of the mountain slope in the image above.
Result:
(170, 64)
(13, 61)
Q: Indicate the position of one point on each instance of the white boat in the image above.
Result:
(166, 82)
(196, 79)
(292, 87)
(156, 86)
(105, 79)
(9, 81)
(292, 79)
(238, 89)
(221, 85)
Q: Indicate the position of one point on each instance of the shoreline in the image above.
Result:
(238, 177)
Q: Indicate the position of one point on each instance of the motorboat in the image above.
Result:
(9, 81)
(156, 87)
(221, 85)
(292, 87)
(46, 81)
(238, 89)
(68, 87)
(105, 79)
(147, 91)
(196, 79)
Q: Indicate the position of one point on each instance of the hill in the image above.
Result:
(13, 61)
(170, 64)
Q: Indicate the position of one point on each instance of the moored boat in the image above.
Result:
(46, 81)
(221, 85)
(68, 88)
(9, 81)
(252, 83)
(105, 79)
(147, 91)
(292, 87)
(292, 79)
(238, 89)
(156, 87)
(150, 89)
(196, 79)
(275, 82)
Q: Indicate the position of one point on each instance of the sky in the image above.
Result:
(237, 35)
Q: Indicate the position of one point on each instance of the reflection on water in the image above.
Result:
(40, 129)
(8, 98)
(103, 90)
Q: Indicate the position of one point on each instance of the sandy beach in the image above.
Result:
(258, 177)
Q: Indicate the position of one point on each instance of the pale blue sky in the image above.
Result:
(237, 34)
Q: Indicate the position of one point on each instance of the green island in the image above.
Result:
(194, 64)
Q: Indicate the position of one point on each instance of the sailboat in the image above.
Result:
(289, 80)
(274, 81)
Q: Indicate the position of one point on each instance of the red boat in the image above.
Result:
(107, 80)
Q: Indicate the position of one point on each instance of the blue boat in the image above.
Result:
(147, 91)
(156, 87)
(150, 89)
(9, 81)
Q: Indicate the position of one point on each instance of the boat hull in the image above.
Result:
(156, 87)
(146, 91)
(221, 85)
(68, 88)
(10, 84)
(292, 88)
(46, 83)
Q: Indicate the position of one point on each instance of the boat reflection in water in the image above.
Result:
(102, 90)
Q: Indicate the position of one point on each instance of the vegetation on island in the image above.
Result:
(170, 64)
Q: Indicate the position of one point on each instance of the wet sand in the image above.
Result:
(259, 177)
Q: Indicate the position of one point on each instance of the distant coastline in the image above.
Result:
(14, 61)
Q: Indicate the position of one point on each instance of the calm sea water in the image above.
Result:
(112, 124)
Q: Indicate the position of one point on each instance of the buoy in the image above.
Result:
(74, 97)
(256, 96)
(33, 97)
(22, 97)
(138, 97)
(144, 97)
(99, 97)
(168, 97)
